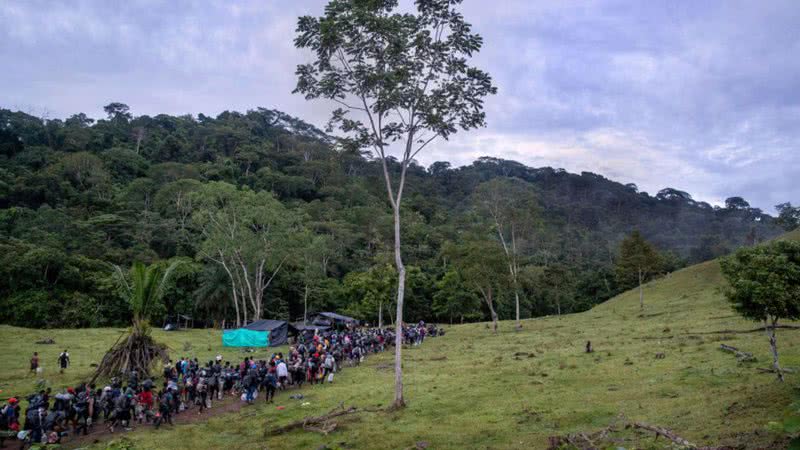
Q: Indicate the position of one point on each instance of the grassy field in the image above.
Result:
(86, 347)
(473, 389)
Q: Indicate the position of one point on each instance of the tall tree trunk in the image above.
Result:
(380, 314)
(516, 298)
(490, 303)
(236, 306)
(773, 344)
(399, 402)
(233, 287)
(641, 291)
(305, 305)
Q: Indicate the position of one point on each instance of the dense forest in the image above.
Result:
(269, 216)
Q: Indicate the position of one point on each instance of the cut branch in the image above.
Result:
(321, 424)
(740, 355)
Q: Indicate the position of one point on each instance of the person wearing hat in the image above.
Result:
(9, 419)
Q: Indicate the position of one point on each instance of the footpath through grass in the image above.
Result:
(472, 389)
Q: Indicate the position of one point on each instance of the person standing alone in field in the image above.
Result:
(35, 363)
(63, 360)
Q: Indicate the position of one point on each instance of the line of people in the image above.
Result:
(189, 384)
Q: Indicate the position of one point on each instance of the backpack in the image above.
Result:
(4, 418)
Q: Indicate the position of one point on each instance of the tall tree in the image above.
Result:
(736, 203)
(315, 253)
(482, 265)
(510, 206)
(764, 285)
(407, 78)
(638, 260)
(788, 216)
(454, 298)
(369, 291)
(248, 234)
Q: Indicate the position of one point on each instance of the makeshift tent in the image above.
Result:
(330, 318)
(261, 333)
(243, 337)
(302, 327)
(309, 330)
(279, 330)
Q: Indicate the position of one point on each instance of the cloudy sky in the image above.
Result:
(700, 96)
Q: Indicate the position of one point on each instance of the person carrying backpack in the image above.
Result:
(9, 420)
(270, 384)
(165, 401)
(80, 411)
(35, 363)
(63, 360)
(328, 365)
(202, 394)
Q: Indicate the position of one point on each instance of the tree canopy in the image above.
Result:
(76, 198)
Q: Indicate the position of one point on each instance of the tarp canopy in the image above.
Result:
(279, 330)
(301, 327)
(334, 318)
(243, 337)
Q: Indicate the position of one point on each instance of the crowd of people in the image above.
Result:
(191, 385)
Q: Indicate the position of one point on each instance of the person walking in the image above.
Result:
(34, 363)
(63, 360)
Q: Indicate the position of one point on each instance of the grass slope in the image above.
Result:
(482, 396)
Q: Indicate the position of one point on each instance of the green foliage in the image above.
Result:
(638, 261)
(78, 196)
(372, 59)
(789, 425)
(525, 381)
(764, 281)
(366, 292)
(146, 289)
(788, 216)
(454, 299)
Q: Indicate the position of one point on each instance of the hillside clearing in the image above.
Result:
(513, 390)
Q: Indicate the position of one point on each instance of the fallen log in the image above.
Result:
(320, 424)
(753, 330)
(772, 370)
(740, 355)
(659, 431)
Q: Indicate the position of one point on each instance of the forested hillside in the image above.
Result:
(270, 216)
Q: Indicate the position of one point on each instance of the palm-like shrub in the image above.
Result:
(136, 349)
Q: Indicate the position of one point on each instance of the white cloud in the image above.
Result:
(700, 96)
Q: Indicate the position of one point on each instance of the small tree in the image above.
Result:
(764, 285)
(638, 260)
(137, 350)
(401, 79)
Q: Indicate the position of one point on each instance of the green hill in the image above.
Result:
(77, 195)
(472, 389)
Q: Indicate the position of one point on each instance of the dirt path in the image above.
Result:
(100, 432)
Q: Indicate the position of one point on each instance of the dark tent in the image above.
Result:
(301, 327)
(330, 319)
(309, 330)
(278, 330)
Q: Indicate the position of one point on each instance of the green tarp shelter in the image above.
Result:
(242, 337)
